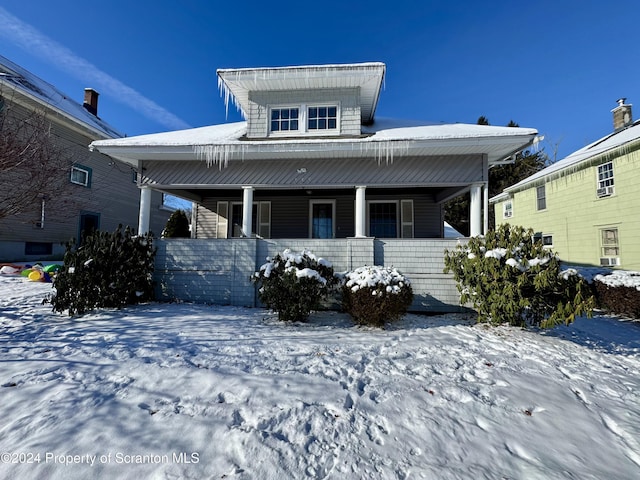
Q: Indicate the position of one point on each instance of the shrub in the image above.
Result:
(375, 295)
(509, 277)
(177, 226)
(294, 285)
(618, 293)
(108, 270)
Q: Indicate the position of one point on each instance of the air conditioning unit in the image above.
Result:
(609, 261)
(605, 191)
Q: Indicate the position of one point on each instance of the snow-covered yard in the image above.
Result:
(173, 391)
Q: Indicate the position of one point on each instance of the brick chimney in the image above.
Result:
(91, 101)
(622, 115)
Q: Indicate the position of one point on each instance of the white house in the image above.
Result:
(313, 166)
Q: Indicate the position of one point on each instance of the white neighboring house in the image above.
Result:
(312, 163)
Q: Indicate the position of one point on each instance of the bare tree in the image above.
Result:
(34, 165)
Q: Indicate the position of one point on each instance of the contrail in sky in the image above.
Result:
(31, 40)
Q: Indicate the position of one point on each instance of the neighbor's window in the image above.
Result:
(383, 219)
(541, 197)
(609, 242)
(507, 211)
(546, 239)
(322, 118)
(81, 175)
(284, 119)
(605, 175)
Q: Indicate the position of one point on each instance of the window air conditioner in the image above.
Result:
(609, 261)
(605, 191)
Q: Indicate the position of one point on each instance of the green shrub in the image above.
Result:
(108, 270)
(177, 226)
(375, 295)
(294, 285)
(617, 293)
(509, 277)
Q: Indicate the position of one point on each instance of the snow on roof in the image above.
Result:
(217, 144)
(235, 84)
(579, 157)
(16, 77)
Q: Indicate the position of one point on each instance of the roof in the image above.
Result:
(384, 139)
(579, 159)
(235, 84)
(41, 92)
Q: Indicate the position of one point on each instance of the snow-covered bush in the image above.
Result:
(294, 284)
(619, 292)
(108, 270)
(509, 277)
(375, 295)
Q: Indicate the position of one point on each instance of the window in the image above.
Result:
(546, 239)
(284, 119)
(304, 119)
(605, 180)
(383, 219)
(81, 175)
(507, 209)
(322, 215)
(322, 118)
(260, 219)
(541, 198)
(609, 242)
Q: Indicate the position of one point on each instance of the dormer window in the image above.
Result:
(304, 119)
(284, 119)
(322, 118)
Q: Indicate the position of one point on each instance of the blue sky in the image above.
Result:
(558, 66)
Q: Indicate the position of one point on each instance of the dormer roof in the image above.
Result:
(236, 84)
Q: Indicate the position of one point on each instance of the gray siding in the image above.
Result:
(219, 271)
(347, 98)
(113, 196)
(290, 211)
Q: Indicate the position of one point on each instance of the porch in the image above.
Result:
(218, 271)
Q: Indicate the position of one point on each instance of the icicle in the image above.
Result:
(385, 149)
(218, 154)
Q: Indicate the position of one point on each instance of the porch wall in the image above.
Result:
(218, 271)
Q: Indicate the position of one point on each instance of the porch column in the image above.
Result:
(485, 204)
(475, 214)
(145, 210)
(247, 210)
(360, 212)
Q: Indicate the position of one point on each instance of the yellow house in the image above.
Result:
(585, 206)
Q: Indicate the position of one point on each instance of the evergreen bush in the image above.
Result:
(375, 295)
(177, 226)
(509, 277)
(108, 270)
(294, 285)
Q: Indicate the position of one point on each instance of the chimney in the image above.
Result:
(91, 101)
(622, 115)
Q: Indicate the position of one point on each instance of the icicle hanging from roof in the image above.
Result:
(385, 149)
(218, 154)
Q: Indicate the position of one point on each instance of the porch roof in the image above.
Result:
(384, 140)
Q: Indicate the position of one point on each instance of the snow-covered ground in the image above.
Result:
(172, 391)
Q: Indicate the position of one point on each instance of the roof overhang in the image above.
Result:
(236, 84)
(496, 143)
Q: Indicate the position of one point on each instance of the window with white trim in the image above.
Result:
(285, 119)
(80, 175)
(545, 238)
(507, 209)
(301, 119)
(541, 197)
(609, 247)
(605, 180)
(390, 218)
(322, 118)
(260, 220)
(322, 214)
